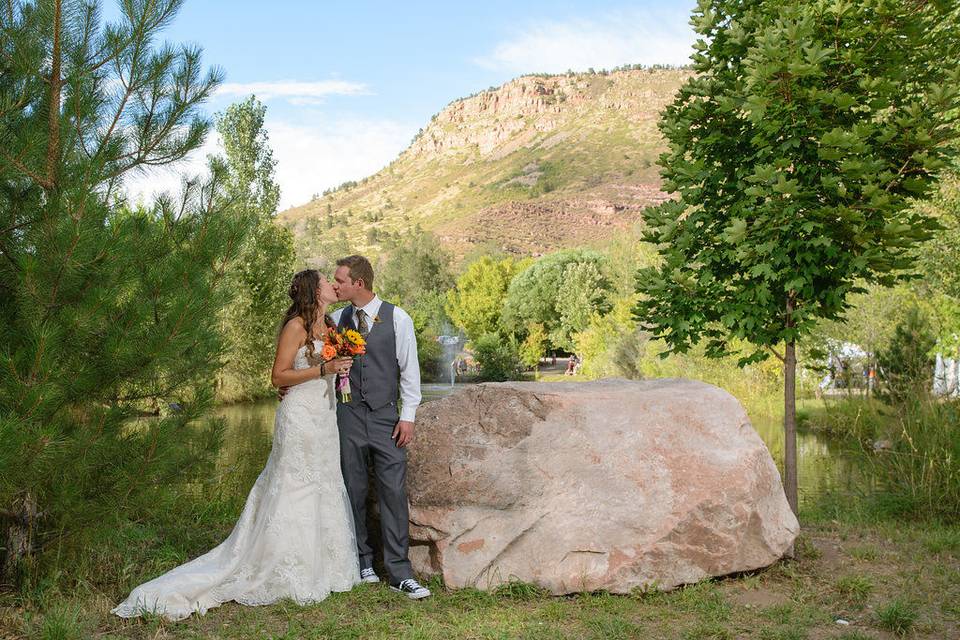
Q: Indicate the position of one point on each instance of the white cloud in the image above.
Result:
(295, 91)
(628, 37)
(310, 157)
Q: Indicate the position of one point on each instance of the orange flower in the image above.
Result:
(328, 352)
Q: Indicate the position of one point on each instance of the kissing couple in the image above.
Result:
(302, 533)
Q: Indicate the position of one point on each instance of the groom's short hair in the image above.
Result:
(360, 269)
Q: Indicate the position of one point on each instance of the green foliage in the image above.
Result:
(920, 471)
(261, 274)
(940, 258)
(851, 418)
(795, 153)
(104, 311)
(429, 322)
(584, 292)
(539, 294)
(939, 263)
(413, 264)
(250, 160)
(908, 449)
(870, 319)
(415, 274)
(604, 343)
(498, 358)
(534, 346)
(906, 364)
(62, 623)
(475, 304)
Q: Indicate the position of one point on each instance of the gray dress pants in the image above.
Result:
(365, 434)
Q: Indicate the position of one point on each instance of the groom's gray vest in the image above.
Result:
(375, 376)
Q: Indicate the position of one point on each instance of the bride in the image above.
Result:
(295, 537)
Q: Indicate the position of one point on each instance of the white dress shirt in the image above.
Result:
(406, 341)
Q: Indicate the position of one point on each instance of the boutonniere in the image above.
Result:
(376, 319)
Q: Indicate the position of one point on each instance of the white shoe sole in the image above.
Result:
(412, 596)
(370, 579)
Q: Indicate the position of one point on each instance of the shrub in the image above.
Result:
(498, 358)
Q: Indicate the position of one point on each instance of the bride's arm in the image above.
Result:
(284, 375)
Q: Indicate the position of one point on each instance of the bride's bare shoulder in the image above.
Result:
(294, 328)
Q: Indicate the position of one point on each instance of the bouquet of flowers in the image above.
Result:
(343, 344)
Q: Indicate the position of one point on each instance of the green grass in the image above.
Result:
(854, 588)
(884, 575)
(910, 450)
(942, 541)
(783, 633)
(814, 589)
(866, 552)
(898, 616)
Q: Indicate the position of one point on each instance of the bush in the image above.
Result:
(906, 365)
(498, 358)
(534, 346)
(910, 450)
(920, 470)
(856, 418)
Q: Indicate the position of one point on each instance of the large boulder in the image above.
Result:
(600, 485)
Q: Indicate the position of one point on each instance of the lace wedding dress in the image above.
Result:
(295, 537)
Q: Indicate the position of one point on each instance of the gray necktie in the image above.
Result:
(362, 325)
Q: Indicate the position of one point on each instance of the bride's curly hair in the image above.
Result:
(303, 292)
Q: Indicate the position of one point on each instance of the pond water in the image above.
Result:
(823, 465)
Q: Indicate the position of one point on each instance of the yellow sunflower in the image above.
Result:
(355, 337)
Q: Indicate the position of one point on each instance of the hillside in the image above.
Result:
(538, 163)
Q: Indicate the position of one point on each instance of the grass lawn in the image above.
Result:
(886, 580)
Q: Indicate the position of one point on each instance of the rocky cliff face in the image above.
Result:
(540, 163)
(468, 122)
(531, 105)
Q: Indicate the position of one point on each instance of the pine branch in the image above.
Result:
(22, 168)
(56, 84)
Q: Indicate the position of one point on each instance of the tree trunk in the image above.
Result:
(790, 425)
(19, 539)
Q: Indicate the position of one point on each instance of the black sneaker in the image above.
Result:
(413, 589)
(369, 575)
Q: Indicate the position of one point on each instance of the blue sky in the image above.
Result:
(347, 85)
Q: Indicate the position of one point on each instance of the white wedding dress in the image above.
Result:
(295, 537)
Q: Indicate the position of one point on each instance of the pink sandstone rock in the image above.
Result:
(608, 485)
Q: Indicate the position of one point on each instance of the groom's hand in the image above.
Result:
(403, 433)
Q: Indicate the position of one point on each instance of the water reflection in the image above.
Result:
(823, 466)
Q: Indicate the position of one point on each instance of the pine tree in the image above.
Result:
(106, 311)
(906, 364)
(795, 153)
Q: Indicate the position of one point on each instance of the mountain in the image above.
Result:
(539, 163)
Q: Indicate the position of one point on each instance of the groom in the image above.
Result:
(372, 425)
